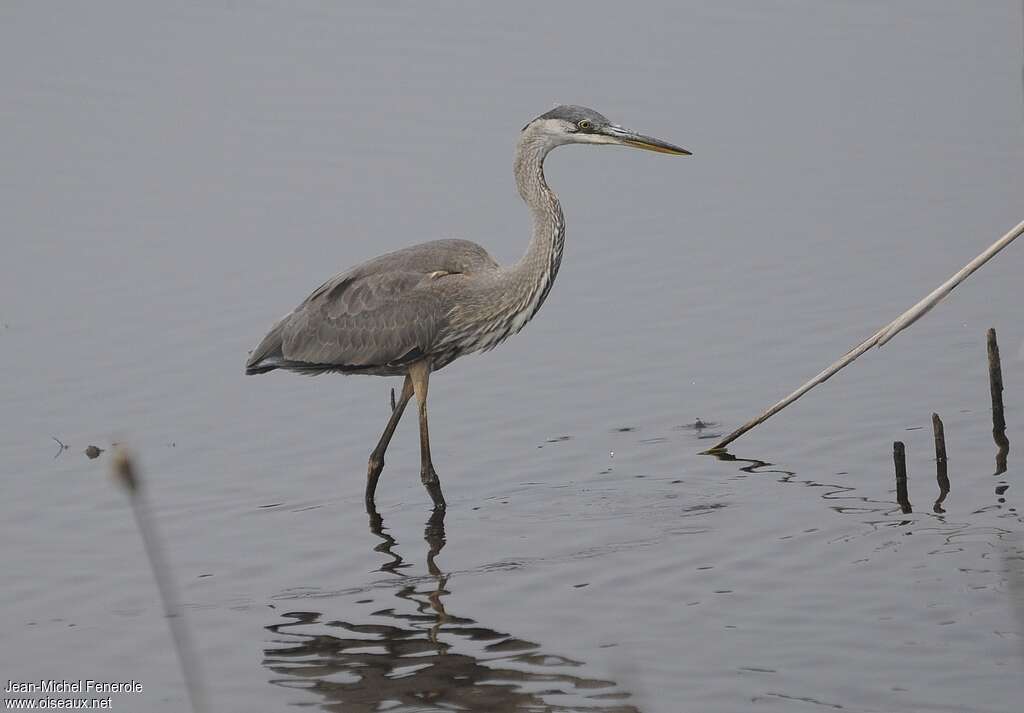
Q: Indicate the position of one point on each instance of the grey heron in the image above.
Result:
(414, 311)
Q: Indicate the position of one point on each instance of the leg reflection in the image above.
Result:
(387, 544)
(417, 654)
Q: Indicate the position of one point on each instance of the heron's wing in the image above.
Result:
(384, 311)
(366, 320)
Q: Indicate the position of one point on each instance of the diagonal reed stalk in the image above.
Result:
(880, 337)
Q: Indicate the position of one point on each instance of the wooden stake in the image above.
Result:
(941, 472)
(995, 384)
(899, 457)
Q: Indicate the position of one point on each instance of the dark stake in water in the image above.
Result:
(941, 467)
(899, 456)
(995, 376)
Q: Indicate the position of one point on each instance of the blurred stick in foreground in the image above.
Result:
(124, 473)
(882, 336)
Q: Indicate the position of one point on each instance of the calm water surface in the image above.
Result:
(174, 179)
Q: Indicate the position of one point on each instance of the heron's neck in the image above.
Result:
(535, 272)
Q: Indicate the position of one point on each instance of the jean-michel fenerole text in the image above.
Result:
(81, 685)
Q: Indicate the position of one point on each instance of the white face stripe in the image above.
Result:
(557, 132)
(581, 138)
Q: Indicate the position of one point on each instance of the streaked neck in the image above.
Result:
(536, 270)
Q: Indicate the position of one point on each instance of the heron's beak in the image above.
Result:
(631, 138)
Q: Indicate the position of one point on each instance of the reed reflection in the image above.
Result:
(418, 656)
(859, 505)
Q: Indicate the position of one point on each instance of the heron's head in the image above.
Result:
(569, 124)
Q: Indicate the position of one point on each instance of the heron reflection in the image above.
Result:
(415, 655)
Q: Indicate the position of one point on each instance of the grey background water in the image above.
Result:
(175, 178)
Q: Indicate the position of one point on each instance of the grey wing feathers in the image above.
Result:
(376, 316)
(365, 321)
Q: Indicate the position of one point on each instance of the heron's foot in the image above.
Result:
(437, 496)
(433, 485)
(376, 521)
(373, 470)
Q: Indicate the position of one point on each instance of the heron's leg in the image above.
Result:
(376, 464)
(420, 375)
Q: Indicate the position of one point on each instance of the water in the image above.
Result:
(176, 178)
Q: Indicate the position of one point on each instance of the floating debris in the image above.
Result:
(699, 425)
(92, 452)
(61, 446)
(557, 439)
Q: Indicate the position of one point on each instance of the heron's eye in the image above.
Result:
(585, 125)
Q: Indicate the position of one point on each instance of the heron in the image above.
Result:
(413, 311)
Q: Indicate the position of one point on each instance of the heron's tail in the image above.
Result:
(258, 369)
(264, 357)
